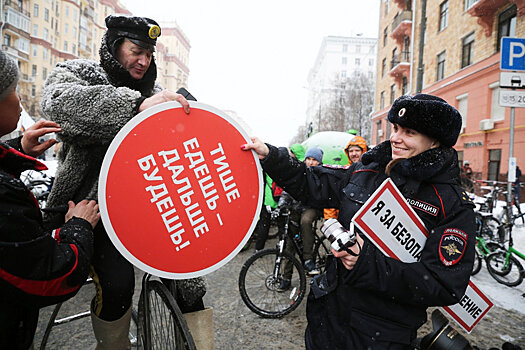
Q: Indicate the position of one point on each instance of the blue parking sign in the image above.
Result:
(512, 54)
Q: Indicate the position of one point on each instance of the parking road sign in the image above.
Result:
(512, 54)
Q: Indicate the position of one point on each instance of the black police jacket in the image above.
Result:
(382, 298)
(36, 268)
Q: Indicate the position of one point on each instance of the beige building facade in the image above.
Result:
(41, 33)
(451, 48)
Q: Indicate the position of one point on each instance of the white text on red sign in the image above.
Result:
(160, 195)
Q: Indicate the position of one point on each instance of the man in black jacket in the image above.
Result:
(37, 267)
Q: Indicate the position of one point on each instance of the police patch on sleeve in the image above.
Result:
(452, 246)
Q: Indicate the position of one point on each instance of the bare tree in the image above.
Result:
(349, 107)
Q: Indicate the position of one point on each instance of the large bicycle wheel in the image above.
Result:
(505, 269)
(262, 289)
(321, 252)
(161, 323)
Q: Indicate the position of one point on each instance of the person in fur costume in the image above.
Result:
(92, 101)
(366, 300)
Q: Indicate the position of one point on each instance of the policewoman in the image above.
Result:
(367, 300)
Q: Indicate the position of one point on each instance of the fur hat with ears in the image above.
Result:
(315, 153)
(429, 115)
(8, 75)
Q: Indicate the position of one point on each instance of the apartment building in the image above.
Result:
(337, 59)
(451, 48)
(41, 33)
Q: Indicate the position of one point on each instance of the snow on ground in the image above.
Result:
(510, 298)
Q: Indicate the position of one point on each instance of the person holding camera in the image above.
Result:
(366, 300)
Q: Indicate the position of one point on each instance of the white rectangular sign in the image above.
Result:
(394, 227)
(509, 98)
(515, 80)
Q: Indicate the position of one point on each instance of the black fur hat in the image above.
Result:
(428, 114)
(142, 31)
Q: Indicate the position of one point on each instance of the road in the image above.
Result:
(236, 327)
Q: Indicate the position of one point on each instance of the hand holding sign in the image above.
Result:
(177, 196)
(393, 227)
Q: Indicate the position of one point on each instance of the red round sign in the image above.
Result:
(178, 196)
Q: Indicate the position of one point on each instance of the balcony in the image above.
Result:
(485, 10)
(17, 7)
(402, 26)
(402, 4)
(400, 66)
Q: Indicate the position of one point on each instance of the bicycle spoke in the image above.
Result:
(263, 293)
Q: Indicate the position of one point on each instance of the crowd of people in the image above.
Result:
(364, 300)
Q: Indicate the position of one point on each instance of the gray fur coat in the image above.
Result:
(91, 107)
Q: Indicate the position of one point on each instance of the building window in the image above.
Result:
(66, 28)
(404, 86)
(395, 58)
(385, 36)
(344, 60)
(33, 70)
(443, 15)
(35, 29)
(370, 75)
(392, 93)
(494, 164)
(441, 66)
(345, 47)
(379, 131)
(382, 100)
(469, 4)
(33, 90)
(46, 34)
(73, 49)
(44, 73)
(383, 68)
(357, 61)
(386, 6)
(467, 51)
(35, 10)
(388, 128)
(460, 158)
(358, 48)
(7, 39)
(370, 62)
(35, 50)
(343, 74)
(65, 46)
(463, 108)
(46, 15)
(506, 24)
(497, 112)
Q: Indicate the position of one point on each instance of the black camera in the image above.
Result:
(339, 237)
(443, 336)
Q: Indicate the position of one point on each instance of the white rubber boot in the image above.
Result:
(200, 324)
(112, 335)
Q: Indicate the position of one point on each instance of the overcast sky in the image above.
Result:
(253, 57)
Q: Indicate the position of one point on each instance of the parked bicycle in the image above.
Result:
(158, 322)
(39, 183)
(272, 282)
(503, 264)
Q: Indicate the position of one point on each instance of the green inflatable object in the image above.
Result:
(332, 143)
